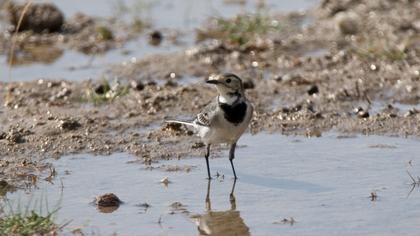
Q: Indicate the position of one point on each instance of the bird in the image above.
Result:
(225, 118)
(227, 223)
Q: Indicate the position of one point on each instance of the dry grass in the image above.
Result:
(14, 37)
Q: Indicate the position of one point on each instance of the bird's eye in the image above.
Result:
(228, 81)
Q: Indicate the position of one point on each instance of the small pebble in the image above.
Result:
(137, 85)
(102, 88)
(198, 145)
(69, 124)
(313, 90)
(363, 114)
(411, 112)
(348, 23)
(155, 38)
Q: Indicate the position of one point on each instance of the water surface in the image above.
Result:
(324, 184)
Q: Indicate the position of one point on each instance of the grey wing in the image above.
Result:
(205, 117)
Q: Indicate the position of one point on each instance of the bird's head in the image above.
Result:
(228, 84)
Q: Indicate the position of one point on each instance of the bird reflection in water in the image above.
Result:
(226, 223)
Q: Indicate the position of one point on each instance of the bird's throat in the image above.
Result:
(228, 99)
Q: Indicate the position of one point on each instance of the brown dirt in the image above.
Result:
(295, 91)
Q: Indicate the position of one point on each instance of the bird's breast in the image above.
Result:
(234, 113)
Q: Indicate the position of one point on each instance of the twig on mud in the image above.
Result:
(65, 224)
(14, 37)
(359, 93)
(415, 182)
(367, 98)
(357, 89)
(61, 187)
(291, 221)
(160, 221)
(52, 174)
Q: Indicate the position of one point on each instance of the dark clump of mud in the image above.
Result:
(5, 187)
(155, 38)
(107, 203)
(342, 71)
(37, 17)
(107, 200)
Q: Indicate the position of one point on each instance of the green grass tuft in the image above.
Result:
(108, 93)
(382, 49)
(104, 33)
(392, 54)
(34, 218)
(27, 224)
(239, 30)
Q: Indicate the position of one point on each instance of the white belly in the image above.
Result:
(216, 136)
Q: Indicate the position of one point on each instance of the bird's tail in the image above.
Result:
(181, 122)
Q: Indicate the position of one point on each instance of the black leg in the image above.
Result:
(231, 157)
(207, 161)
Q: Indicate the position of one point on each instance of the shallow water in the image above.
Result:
(76, 66)
(378, 106)
(184, 16)
(323, 183)
(181, 14)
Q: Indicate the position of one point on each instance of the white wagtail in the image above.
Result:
(226, 223)
(226, 118)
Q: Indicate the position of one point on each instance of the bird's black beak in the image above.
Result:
(210, 81)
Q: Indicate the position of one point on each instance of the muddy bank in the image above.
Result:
(325, 69)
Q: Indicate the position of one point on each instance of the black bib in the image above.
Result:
(234, 113)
